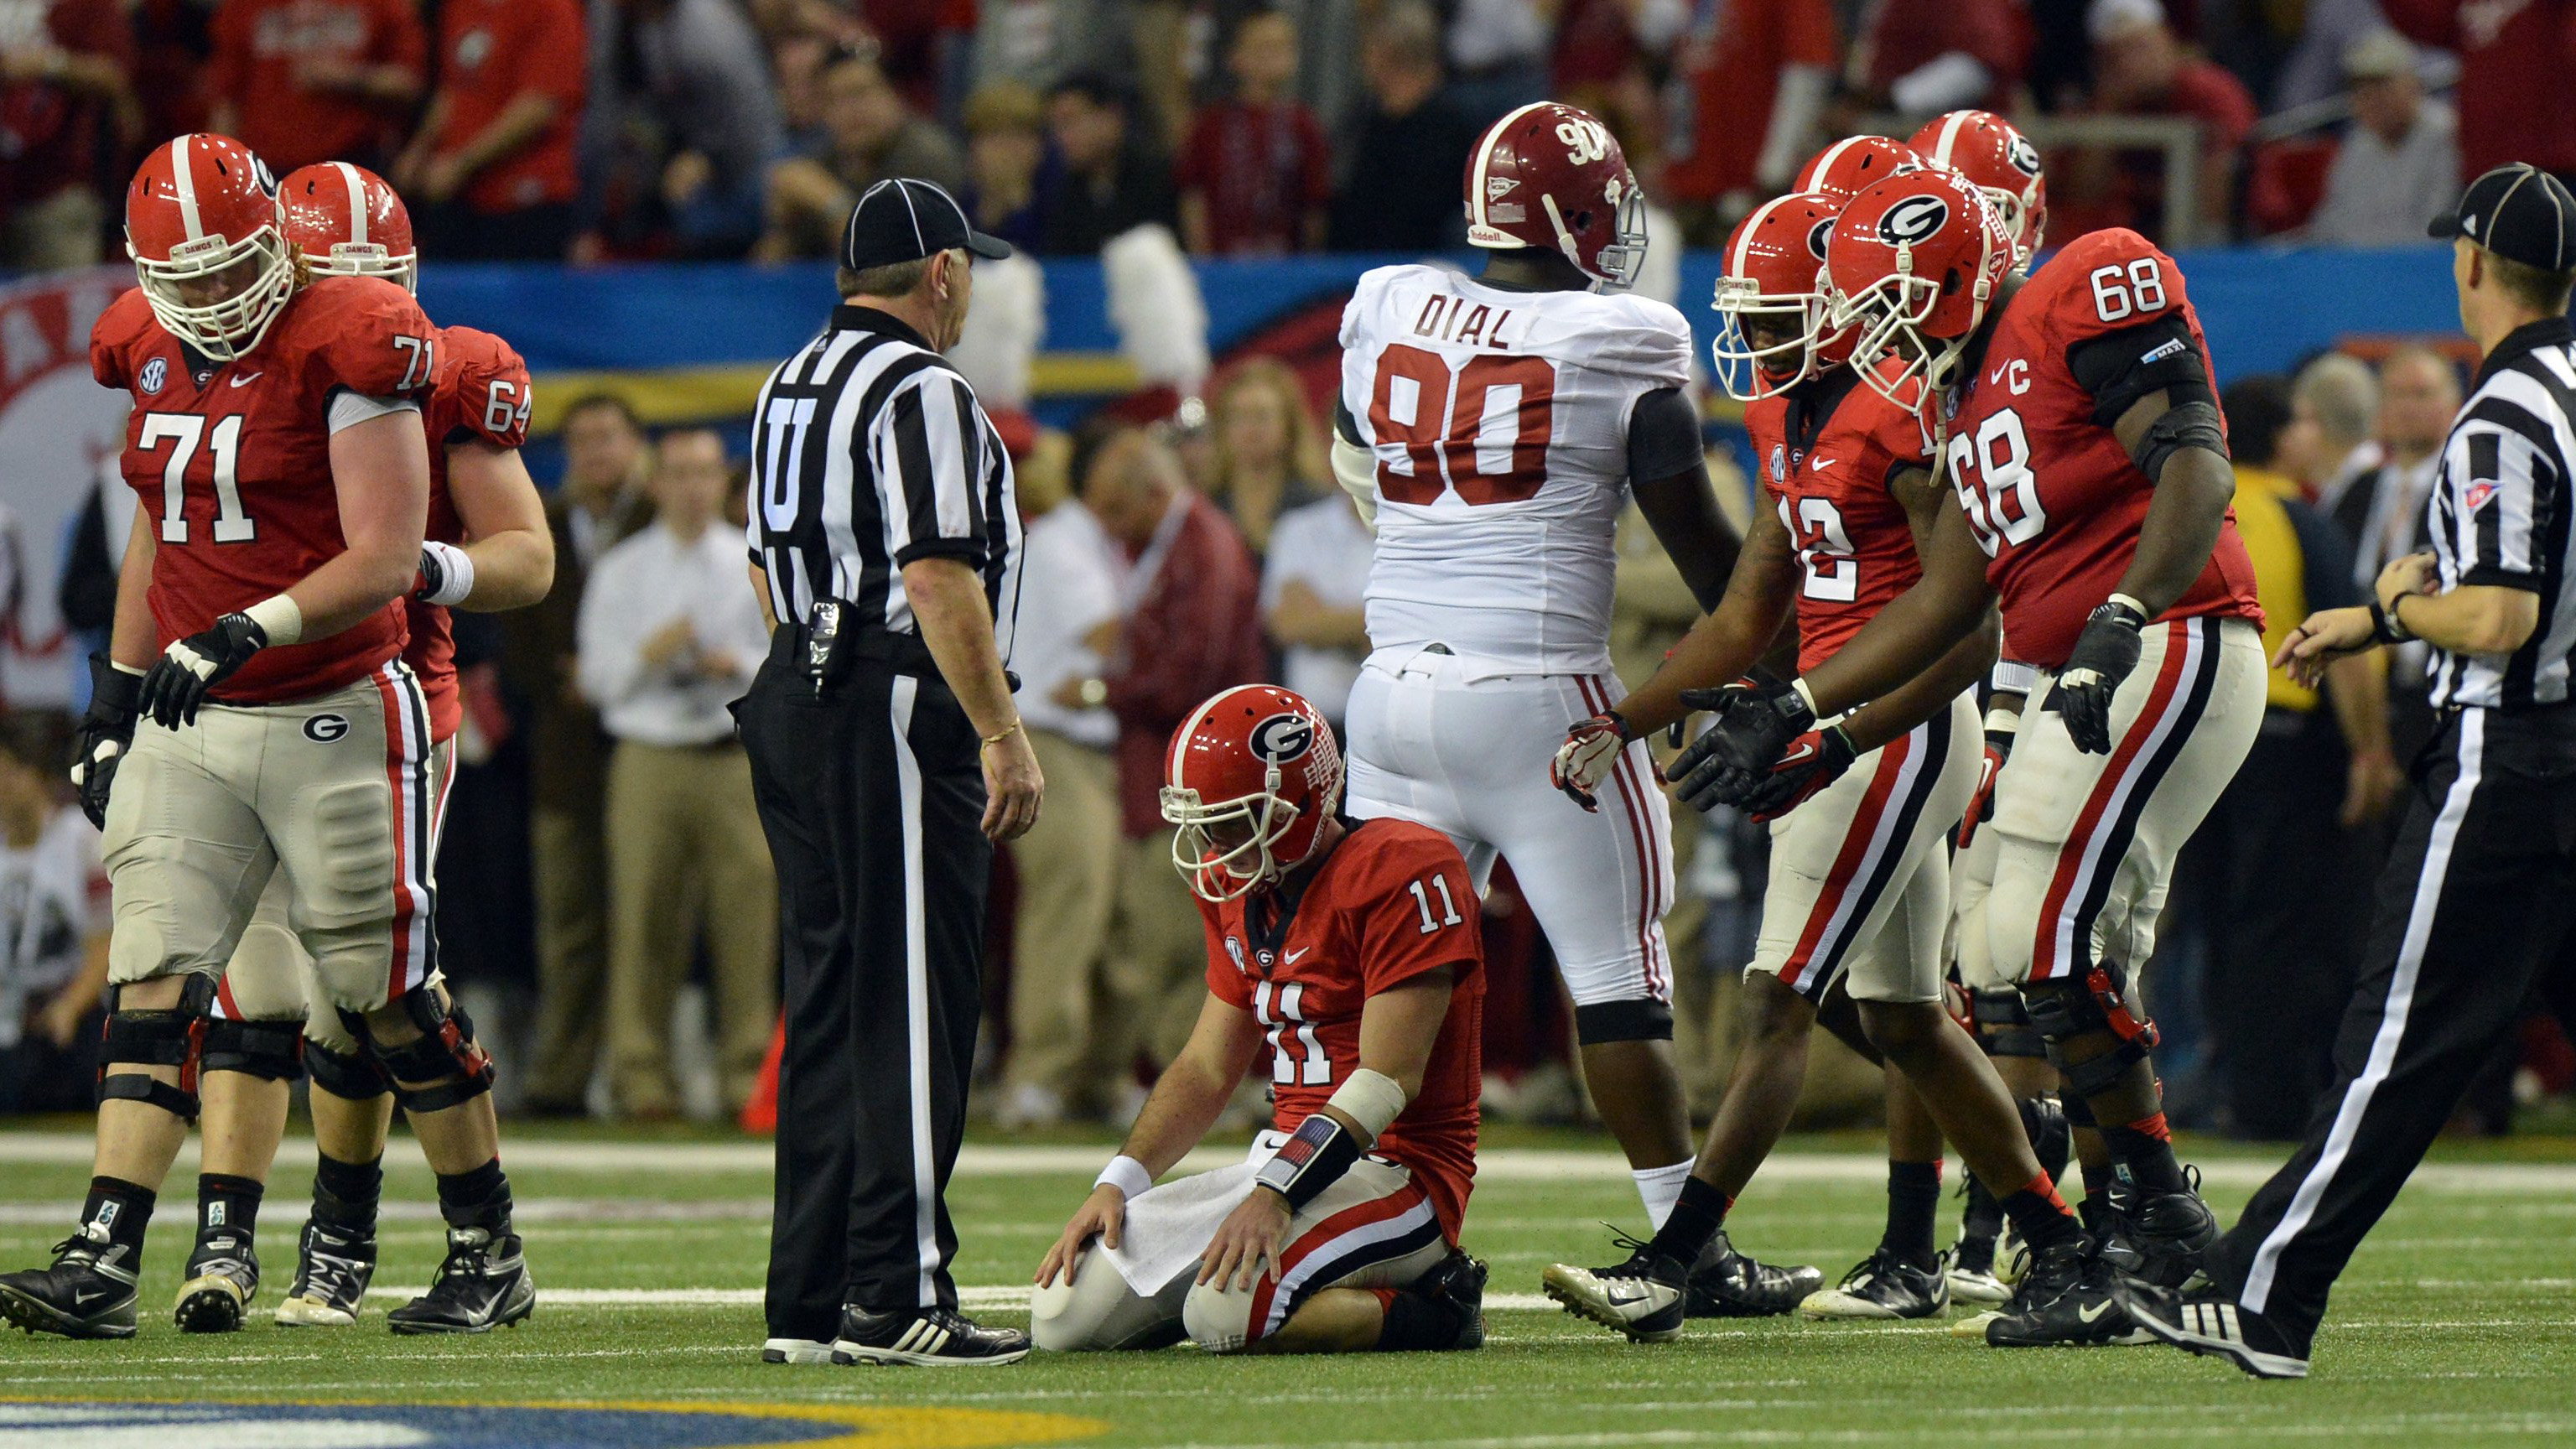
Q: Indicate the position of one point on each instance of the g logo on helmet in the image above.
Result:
(1818, 235)
(2023, 156)
(1282, 737)
(1916, 218)
(1586, 141)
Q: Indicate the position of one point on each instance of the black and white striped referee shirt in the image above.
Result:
(2502, 509)
(868, 451)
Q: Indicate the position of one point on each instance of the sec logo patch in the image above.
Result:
(324, 729)
(154, 374)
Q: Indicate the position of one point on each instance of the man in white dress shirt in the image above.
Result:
(1312, 593)
(669, 638)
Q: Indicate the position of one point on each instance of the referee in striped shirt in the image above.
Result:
(887, 758)
(2478, 903)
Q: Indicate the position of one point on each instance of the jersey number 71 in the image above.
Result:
(1443, 418)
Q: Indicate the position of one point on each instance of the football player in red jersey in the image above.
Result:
(277, 446)
(487, 548)
(2091, 491)
(1350, 948)
(1859, 889)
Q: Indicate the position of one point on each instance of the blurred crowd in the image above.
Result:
(598, 129)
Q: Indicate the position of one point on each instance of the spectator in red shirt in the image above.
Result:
(2141, 68)
(1751, 80)
(66, 89)
(2514, 63)
(301, 81)
(1920, 58)
(1193, 627)
(1256, 176)
(492, 169)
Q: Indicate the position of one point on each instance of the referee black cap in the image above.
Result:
(2519, 212)
(906, 219)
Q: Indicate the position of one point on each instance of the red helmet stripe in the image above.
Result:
(357, 201)
(186, 182)
(1485, 156)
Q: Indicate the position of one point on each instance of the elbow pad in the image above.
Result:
(2190, 425)
(1355, 468)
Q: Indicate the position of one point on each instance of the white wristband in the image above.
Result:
(1125, 1174)
(2001, 721)
(1799, 687)
(1371, 1099)
(456, 574)
(279, 618)
(2134, 606)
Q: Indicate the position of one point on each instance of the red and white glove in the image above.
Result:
(1590, 752)
(1812, 761)
(1981, 805)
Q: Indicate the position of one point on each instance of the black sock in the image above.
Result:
(2041, 1216)
(228, 1204)
(476, 1199)
(345, 1194)
(2142, 1154)
(1979, 1226)
(2097, 1180)
(1695, 1219)
(124, 1209)
(1913, 1201)
(1416, 1324)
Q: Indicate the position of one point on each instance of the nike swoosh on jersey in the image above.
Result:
(244, 381)
(1291, 958)
(1819, 462)
(1997, 375)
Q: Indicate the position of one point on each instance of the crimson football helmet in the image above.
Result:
(1251, 778)
(1774, 267)
(1843, 169)
(349, 222)
(1551, 176)
(2001, 162)
(1913, 264)
(201, 218)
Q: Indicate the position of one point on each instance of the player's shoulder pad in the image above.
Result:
(1888, 425)
(488, 382)
(126, 325)
(365, 334)
(2110, 279)
(1371, 289)
(1642, 338)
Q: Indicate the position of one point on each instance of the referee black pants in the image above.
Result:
(872, 798)
(2477, 903)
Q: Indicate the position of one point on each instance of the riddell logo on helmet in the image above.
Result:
(1282, 737)
(1914, 219)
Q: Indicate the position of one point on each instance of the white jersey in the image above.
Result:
(1499, 419)
(53, 898)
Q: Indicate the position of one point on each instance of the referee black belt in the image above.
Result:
(899, 653)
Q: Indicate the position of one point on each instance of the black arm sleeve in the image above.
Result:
(1344, 425)
(1663, 436)
(2118, 368)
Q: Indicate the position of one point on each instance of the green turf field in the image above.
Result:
(2454, 1326)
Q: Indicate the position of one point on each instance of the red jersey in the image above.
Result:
(2052, 496)
(262, 48)
(482, 395)
(1830, 448)
(490, 53)
(1390, 903)
(233, 464)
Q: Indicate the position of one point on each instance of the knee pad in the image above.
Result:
(1608, 1021)
(353, 1075)
(161, 1038)
(1219, 1320)
(269, 1049)
(2002, 1024)
(440, 1068)
(2061, 1010)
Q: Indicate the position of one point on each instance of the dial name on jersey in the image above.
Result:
(1464, 322)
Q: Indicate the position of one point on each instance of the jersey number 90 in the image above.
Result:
(1444, 430)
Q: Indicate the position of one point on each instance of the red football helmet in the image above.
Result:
(1251, 778)
(1999, 161)
(1843, 169)
(1548, 175)
(1913, 263)
(348, 222)
(1773, 276)
(201, 220)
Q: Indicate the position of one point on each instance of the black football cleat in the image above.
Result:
(1882, 1285)
(333, 1266)
(2157, 1238)
(1457, 1285)
(2211, 1323)
(925, 1337)
(88, 1293)
(482, 1285)
(1641, 1297)
(1727, 1284)
(2065, 1302)
(221, 1279)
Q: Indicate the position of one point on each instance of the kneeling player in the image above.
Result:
(1351, 948)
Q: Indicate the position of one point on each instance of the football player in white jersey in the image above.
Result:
(1495, 426)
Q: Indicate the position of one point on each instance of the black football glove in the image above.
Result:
(2104, 654)
(106, 734)
(179, 679)
(1813, 760)
(1754, 726)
